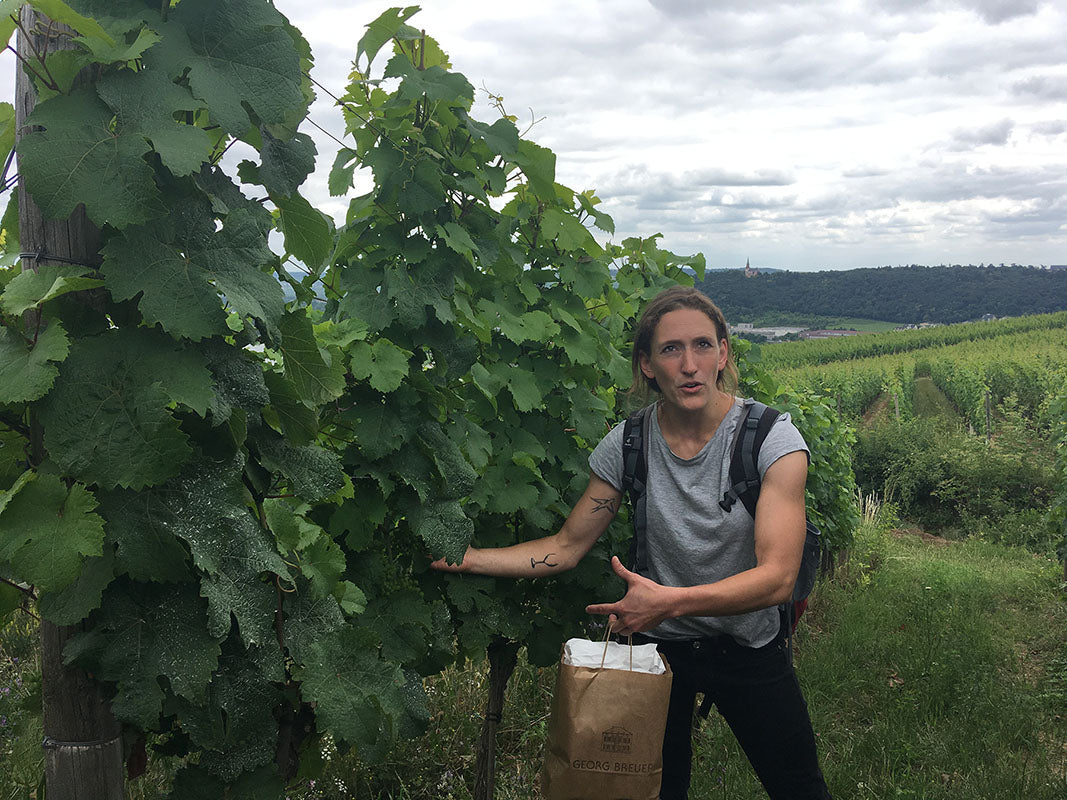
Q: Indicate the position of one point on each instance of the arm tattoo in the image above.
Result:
(609, 504)
(545, 561)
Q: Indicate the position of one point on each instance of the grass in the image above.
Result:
(932, 669)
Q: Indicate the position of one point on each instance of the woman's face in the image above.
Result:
(685, 358)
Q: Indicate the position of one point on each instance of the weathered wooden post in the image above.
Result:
(82, 742)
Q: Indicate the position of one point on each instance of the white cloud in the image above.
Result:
(801, 134)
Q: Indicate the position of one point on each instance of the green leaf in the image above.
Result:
(142, 632)
(445, 528)
(299, 423)
(458, 239)
(30, 288)
(235, 53)
(313, 473)
(107, 419)
(291, 529)
(238, 378)
(71, 605)
(306, 230)
(381, 31)
(323, 563)
(352, 599)
(120, 51)
(402, 620)
(309, 618)
(78, 158)
(58, 11)
(7, 129)
(539, 165)
(458, 475)
(46, 530)
(344, 167)
(144, 104)
(142, 527)
(432, 83)
(502, 138)
(360, 698)
(316, 380)
(568, 233)
(286, 164)
(385, 364)
(28, 374)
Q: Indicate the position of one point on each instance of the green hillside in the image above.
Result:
(896, 294)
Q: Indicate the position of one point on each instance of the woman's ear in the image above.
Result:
(646, 365)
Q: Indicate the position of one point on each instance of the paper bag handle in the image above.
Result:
(607, 638)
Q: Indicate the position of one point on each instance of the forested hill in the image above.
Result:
(895, 294)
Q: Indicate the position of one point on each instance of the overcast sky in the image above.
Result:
(803, 135)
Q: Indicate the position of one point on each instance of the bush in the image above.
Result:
(949, 480)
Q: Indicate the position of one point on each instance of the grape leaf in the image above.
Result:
(315, 380)
(236, 726)
(444, 527)
(46, 530)
(78, 158)
(402, 621)
(385, 364)
(141, 632)
(433, 83)
(239, 380)
(323, 563)
(29, 374)
(236, 53)
(140, 525)
(382, 30)
(502, 138)
(107, 422)
(291, 529)
(306, 230)
(30, 288)
(539, 165)
(286, 164)
(360, 698)
(71, 605)
(313, 472)
(144, 103)
(299, 423)
(309, 618)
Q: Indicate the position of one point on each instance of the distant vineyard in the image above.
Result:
(1027, 363)
(825, 351)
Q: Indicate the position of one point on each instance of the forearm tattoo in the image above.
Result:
(545, 561)
(609, 504)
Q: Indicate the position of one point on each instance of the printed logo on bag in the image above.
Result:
(617, 740)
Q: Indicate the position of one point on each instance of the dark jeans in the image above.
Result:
(756, 691)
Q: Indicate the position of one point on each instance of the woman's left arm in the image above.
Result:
(779, 539)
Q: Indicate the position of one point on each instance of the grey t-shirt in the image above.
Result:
(691, 541)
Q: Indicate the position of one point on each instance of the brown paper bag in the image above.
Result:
(605, 737)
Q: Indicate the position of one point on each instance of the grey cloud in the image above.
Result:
(1053, 127)
(995, 133)
(1047, 87)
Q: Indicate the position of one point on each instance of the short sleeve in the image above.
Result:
(782, 439)
(606, 458)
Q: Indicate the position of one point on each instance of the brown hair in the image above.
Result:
(671, 300)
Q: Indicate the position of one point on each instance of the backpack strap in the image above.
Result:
(635, 434)
(755, 423)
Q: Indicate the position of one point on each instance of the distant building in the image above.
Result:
(1057, 267)
(749, 272)
(826, 334)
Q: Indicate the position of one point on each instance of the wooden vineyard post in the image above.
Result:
(82, 739)
(503, 655)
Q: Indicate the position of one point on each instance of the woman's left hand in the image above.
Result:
(644, 606)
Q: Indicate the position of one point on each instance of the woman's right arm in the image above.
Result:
(551, 554)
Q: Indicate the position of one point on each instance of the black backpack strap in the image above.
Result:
(634, 474)
(756, 422)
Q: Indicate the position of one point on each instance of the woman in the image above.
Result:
(709, 594)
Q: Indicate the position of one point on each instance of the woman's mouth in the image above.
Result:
(691, 387)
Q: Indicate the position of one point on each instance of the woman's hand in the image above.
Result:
(463, 565)
(644, 606)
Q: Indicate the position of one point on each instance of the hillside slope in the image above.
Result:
(895, 294)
